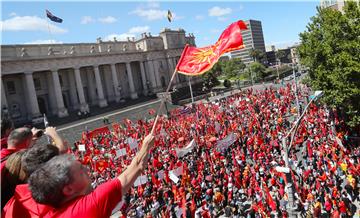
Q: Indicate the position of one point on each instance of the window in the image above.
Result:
(37, 83)
(11, 87)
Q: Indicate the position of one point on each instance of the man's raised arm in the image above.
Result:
(138, 164)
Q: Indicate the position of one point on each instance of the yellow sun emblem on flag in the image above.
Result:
(205, 54)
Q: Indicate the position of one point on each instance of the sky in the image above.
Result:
(84, 21)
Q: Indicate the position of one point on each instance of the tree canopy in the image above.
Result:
(330, 48)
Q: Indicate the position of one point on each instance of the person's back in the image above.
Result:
(13, 175)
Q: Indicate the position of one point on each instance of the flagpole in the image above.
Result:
(191, 92)
(162, 102)
(51, 36)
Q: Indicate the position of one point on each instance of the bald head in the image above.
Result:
(20, 138)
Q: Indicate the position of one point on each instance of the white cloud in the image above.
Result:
(119, 37)
(218, 12)
(30, 23)
(199, 17)
(12, 14)
(108, 19)
(150, 14)
(139, 29)
(86, 20)
(214, 31)
(47, 41)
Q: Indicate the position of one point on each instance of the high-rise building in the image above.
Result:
(253, 39)
(334, 4)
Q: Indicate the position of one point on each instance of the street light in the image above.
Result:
(290, 190)
(296, 92)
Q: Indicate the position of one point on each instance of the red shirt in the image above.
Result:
(98, 203)
(4, 142)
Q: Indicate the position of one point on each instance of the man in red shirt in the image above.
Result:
(64, 184)
(6, 127)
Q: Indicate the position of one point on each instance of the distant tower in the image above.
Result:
(253, 39)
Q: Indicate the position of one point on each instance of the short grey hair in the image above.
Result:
(18, 136)
(46, 183)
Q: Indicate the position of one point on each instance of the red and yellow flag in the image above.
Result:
(196, 61)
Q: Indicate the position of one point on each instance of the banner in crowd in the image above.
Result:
(180, 152)
(95, 132)
(223, 144)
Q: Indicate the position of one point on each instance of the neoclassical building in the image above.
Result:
(58, 79)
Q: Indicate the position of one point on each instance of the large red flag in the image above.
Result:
(196, 61)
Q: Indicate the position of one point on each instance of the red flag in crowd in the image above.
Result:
(196, 61)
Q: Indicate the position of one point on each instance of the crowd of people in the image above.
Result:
(214, 177)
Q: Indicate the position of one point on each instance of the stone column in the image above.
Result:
(152, 75)
(3, 96)
(177, 79)
(143, 77)
(90, 86)
(61, 110)
(102, 100)
(34, 106)
(171, 70)
(133, 94)
(72, 90)
(80, 90)
(115, 82)
(156, 73)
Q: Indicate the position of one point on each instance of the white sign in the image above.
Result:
(161, 174)
(173, 177)
(282, 169)
(82, 147)
(132, 143)
(183, 151)
(217, 127)
(140, 180)
(121, 152)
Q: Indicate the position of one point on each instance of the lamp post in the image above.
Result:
(290, 189)
(296, 92)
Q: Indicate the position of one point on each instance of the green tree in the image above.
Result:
(210, 77)
(330, 48)
(233, 67)
(257, 54)
(258, 70)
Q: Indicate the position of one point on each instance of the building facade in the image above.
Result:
(253, 38)
(58, 79)
(334, 4)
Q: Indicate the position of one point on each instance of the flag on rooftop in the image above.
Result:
(196, 61)
(169, 16)
(53, 17)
